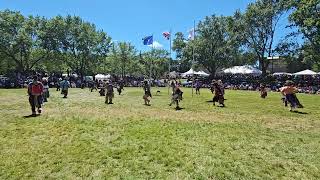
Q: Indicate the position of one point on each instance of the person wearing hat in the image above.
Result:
(110, 93)
(147, 93)
(35, 91)
(289, 92)
(176, 96)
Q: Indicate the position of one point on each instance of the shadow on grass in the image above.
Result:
(31, 116)
(299, 112)
(179, 108)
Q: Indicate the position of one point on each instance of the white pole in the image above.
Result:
(194, 36)
(169, 62)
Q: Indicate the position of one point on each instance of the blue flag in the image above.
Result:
(148, 40)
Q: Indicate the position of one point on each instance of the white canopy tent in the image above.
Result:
(173, 74)
(243, 70)
(202, 73)
(192, 72)
(188, 73)
(102, 77)
(281, 73)
(305, 72)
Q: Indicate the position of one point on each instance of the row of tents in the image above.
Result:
(247, 69)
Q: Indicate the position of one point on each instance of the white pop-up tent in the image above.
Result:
(243, 70)
(102, 77)
(305, 72)
(192, 72)
(202, 73)
(281, 73)
(173, 74)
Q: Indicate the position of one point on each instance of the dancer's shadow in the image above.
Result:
(179, 108)
(31, 116)
(299, 112)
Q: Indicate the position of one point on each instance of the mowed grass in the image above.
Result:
(81, 137)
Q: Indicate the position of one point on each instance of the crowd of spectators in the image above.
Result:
(305, 84)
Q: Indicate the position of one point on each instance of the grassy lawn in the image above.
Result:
(81, 137)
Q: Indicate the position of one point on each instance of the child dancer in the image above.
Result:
(263, 91)
(147, 93)
(218, 93)
(176, 96)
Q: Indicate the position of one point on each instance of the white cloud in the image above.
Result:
(156, 45)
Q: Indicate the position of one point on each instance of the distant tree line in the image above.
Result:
(249, 37)
(61, 44)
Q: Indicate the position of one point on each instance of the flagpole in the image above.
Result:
(151, 61)
(194, 36)
(169, 62)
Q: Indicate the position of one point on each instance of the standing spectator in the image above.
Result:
(65, 84)
(45, 89)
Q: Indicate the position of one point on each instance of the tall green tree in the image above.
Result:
(258, 25)
(123, 60)
(81, 44)
(155, 62)
(23, 40)
(306, 16)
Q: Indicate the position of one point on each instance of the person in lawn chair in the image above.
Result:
(109, 92)
(263, 91)
(289, 96)
(176, 96)
(218, 93)
(147, 93)
(35, 92)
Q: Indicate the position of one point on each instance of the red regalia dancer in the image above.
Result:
(35, 91)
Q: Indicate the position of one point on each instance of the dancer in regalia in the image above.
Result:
(289, 92)
(147, 93)
(218, 93)
(176, 96)
(35, 91)
(110, 93)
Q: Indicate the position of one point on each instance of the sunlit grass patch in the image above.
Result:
(81, 137)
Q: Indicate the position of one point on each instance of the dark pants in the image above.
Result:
(65, 92)
(218, 98)
(35, 101)
(46, 96)
(292, 100)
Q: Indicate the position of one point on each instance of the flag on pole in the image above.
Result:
(166, 35)
(191, 34)
(147, 40)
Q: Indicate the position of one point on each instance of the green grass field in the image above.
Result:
(81, 137)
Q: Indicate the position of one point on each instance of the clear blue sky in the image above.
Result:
(131, 20)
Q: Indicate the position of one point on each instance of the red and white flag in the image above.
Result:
(166, 35)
